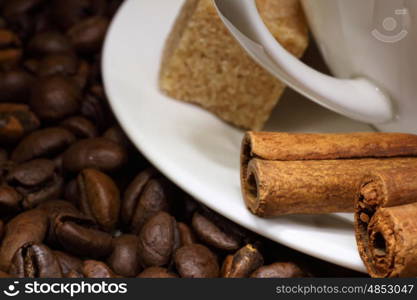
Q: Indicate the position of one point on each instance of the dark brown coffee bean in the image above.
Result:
(80, 127)
(49, 42)
(10, 201)
(88, 35)
(18, 7)
(34, 260)
(43, 143)
(56, 208)
(68, 13)
(158, 240)
(279, 270)
(37, 181)
(16, 120)
(15, 85)
(98, 153)
(10, 49)
(124, 259)
(97, 269)
(157, 272)
(53, 209)
(133, 192)
(99, 198)
(65, 64)
(187, 237)
(71, 192)
(29, 226)
(79, 236)
(117, 135)
(210, 234)
(82, 76)
(74, 274)
(196, 261)
(68, 263)
(144, 197)
(243, 263)
(96, 110)
(55, 97)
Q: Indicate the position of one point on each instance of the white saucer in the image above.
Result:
(199, 152)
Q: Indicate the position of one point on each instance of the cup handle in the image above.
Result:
(357, 99)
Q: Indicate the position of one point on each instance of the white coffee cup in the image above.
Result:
(370, 47)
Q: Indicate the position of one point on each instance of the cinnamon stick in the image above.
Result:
(283, 173)
(385, 222)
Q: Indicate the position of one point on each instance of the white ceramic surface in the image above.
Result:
(370, 46)
(357, 98)
(198, 151)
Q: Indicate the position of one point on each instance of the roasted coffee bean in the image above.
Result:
(68, 13)
(29, 226)
(34, 260)
(117, 135)
(157, 272)
(124, 259)
(53, 209)
(43, 143)
(98, 153)
(94, 109)
(82, 76)
(279, 270)
(55, 97)
(74, 274)
(68, 262)
(243, 263)
(43, 20)
(15, 85)
(49, 42)
(37, 181)
(133, 192)
(187, 237)
(196, 261)
(80, 127)
(212, 235)
(158, 240)
(79, 236)
(99, 198)
(21, 16)
(144, 197)
(17, 7)
(71, 192)
(65, 64)
(10, 201)
(10, 49)
(88, 35)
(16, 120)
(97, 269)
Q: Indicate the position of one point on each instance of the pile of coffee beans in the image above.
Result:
(76, 198)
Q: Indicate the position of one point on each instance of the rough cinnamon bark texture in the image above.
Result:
(385, 222)
(392, 245)
(283, 173)
(275, 188)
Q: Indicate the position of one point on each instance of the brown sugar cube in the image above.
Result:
(203, 64)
